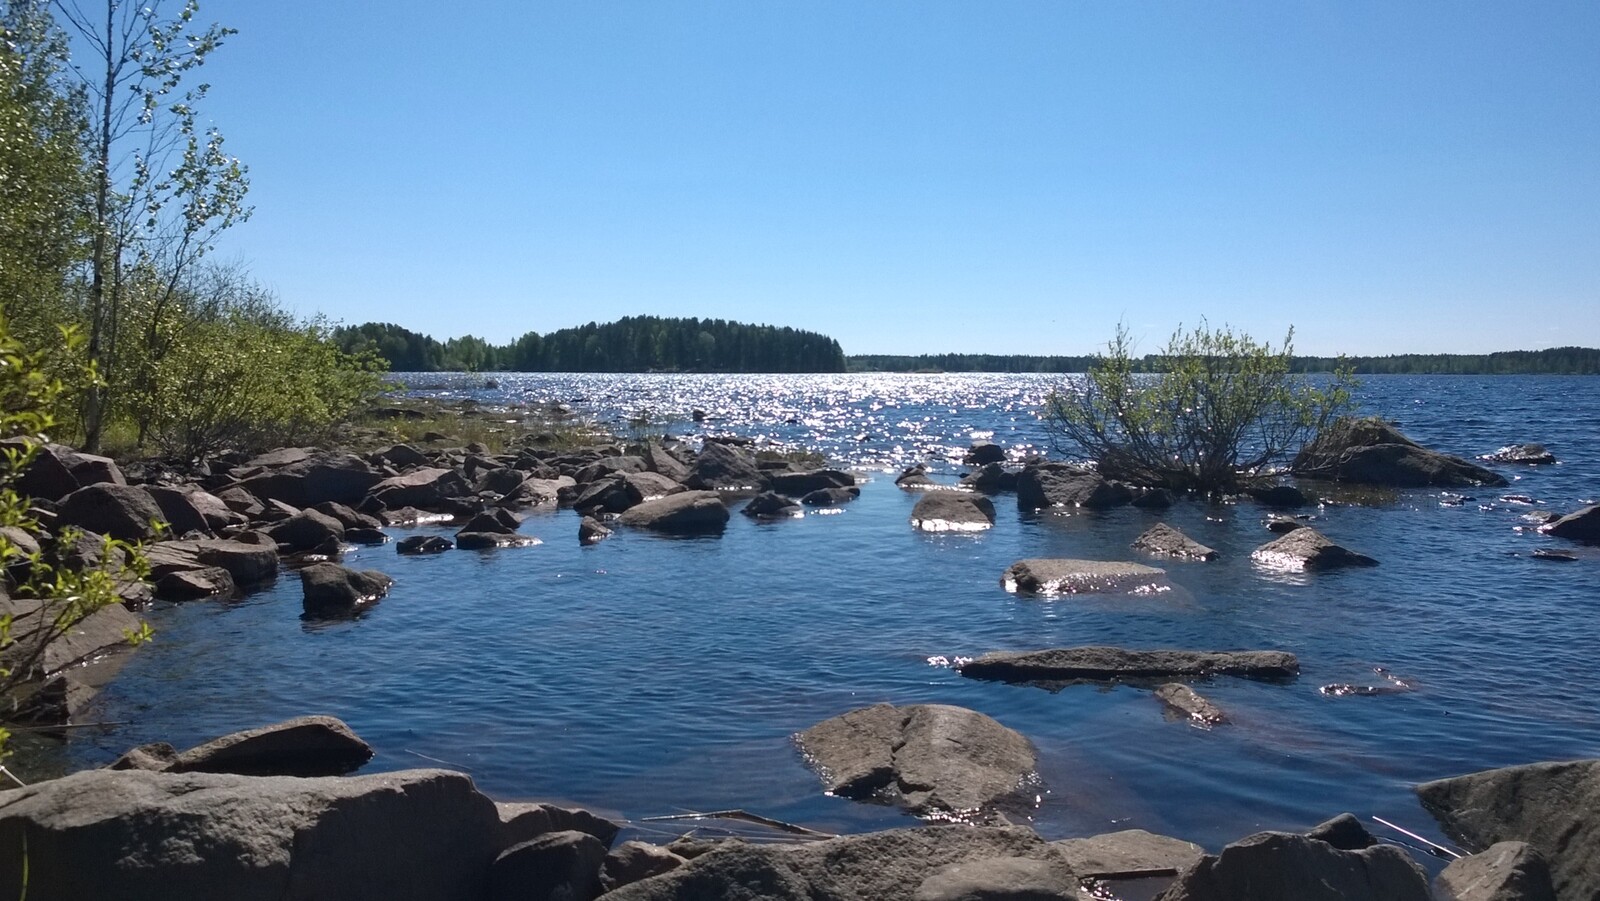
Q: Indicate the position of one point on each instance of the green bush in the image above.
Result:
(1216, 411)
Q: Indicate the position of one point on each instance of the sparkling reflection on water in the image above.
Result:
(648, 675)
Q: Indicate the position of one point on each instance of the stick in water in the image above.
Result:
(745, 815)
(1437, 848)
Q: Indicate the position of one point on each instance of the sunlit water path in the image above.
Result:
(649, 675)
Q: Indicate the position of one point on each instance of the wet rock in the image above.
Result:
(1307, 549)
(1187, 703)
(423, 544)
(194, 584)
(1523, 454)
(914, 477)
(771, 505)
(881, 866)
(1507, 871)
(982, 453)
(690, 511)
(308, 530)
(722, 466)
(120, 511)
(1584, 525)
(632, 861)
(927, 758)
(799, 484)
(412, 834)
(1281, 496)
(1372, 452)
(1049, 576)
(333, 590)
(1094, 663)
(830, 497)
(1551, 806)
(1344, 832)
(1046, 485)
(1166, 541)
(952, 511)
(558, 866)
(481, 541)
(304, 746)
(990, 479)
(1128, 854)
(1273, 866)
(591, 531)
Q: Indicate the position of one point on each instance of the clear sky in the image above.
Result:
(983, 176)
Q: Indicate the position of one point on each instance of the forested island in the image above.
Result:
(631, 344)
(1553, 361)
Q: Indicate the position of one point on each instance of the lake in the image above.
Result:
(650, 675)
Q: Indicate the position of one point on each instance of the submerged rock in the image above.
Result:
(333, 590)
(1281, 496)
(914, 477)
(1169, 542)
(1065, 576)
(799, 484)
(1523, 454)
(927, 758)
(830, 497)
(771, 505)
(1584, 525)
(1187, 703)
(1097, 663)
(1551, 806)
(1373, 452)
(952, 511)
(592, 531)
(1307, 549)
(423, 544)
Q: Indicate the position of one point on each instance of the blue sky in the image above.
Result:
(1004, 177)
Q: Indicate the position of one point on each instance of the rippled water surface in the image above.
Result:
(649, 675)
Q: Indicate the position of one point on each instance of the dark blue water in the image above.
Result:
(649, 675)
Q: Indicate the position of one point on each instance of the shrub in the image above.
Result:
(1214, 410)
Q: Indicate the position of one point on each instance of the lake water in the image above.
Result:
(650, 675)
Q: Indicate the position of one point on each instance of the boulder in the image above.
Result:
(304, 746)
(798, 484)
(557, 866)
(1153, 499)
(1370, 451)
(1045, 485)
(1106, 664)
(120, 511)
(195, 584)
(830, 497)
(534, 491)
(501, 480)
(308, 530)
(45, 477)
(914, 477)
(283, 456)
(1163, 540)
(423, 544)
(333, 590)
(403, 456)
(927, 758)
(1344, 832)
(650, 485)
(632, 861)
(771, 505)
(609, 466)
(1066, 576)
(689, 511)
(34, 623)
(347, 517)
(247, 564)
(1282, 525)
(1274, 866)
(1584, 525)
(343, 479)
(133, 835)
(982, 453)
(725, 467)
(1131, 853)
(154, 757)
(1507, 871)
(881, 866)
(480, 541)
(1190, 705)
(1551, 806)
(497, 521)
(1280, 496)
(91, 469)
(1307, 549)
(520, 822)
(591, 531)
(1522, 454)
(658, 460)
(426, 489)
(990, 479)
(609, 495)
(179, 512)
(952, 511)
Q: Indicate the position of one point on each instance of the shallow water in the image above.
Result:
(651, 675)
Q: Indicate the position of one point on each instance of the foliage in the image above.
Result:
(1217, 410)
(68, 593)
(631, 344)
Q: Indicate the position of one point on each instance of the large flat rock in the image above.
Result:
(1100, 663)
(1050, 576)
(928, 758)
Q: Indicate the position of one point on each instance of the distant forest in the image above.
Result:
(631, 344)
(1555, 361)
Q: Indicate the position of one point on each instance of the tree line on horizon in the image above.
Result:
(631, 344)
(1552, 361)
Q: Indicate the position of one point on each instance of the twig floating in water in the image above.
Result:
(745, 815)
